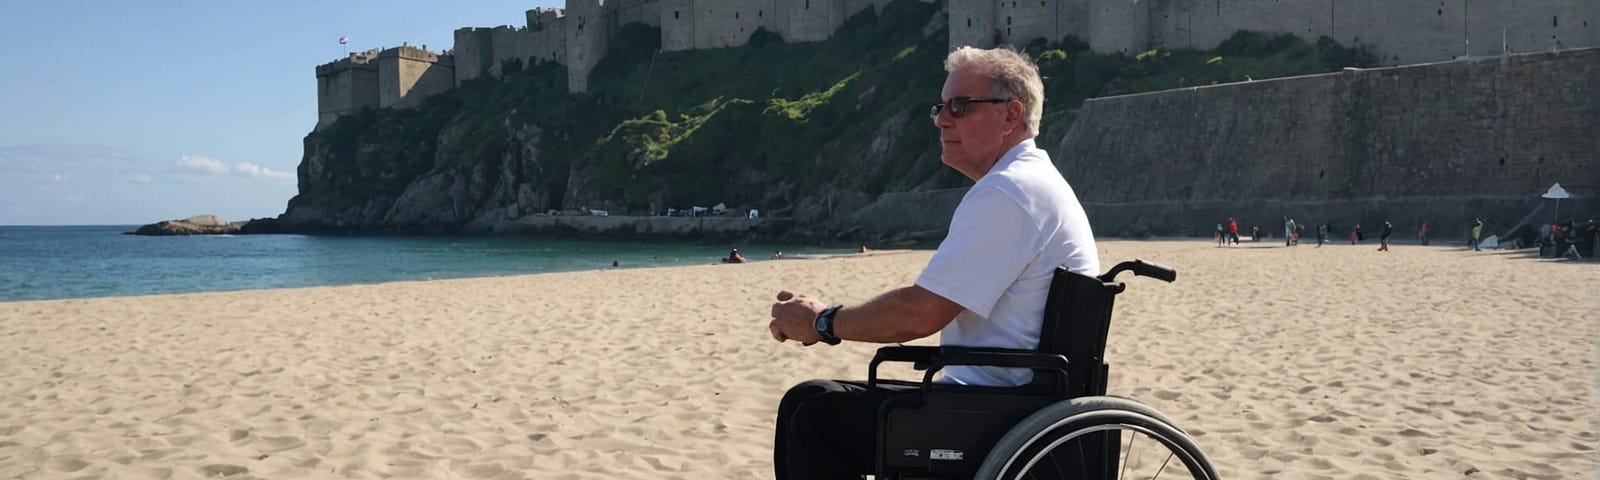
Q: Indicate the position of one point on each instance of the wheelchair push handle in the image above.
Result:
(1144, 269)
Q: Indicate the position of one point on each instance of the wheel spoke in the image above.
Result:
(1132, 437)
(1163, 465)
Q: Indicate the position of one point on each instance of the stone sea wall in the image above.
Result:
(1440, 143)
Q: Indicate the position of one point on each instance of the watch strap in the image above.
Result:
(824, 324)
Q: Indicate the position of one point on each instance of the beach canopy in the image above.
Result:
(1557, 193)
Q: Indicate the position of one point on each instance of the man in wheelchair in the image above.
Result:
(986, 286)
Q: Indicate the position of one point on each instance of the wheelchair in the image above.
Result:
(1061, 425)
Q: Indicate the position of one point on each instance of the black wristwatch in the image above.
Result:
(825, 324)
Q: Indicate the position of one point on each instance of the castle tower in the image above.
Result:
(972, 23)
(677, 25)
(1119, 26)
(586, 41)
(346, 86)
(407, 75)
(1019, 22)
(474, 53)
(808, 20)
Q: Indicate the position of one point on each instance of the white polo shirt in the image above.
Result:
(1011, 230)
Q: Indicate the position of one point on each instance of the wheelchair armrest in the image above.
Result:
(934, 359)
(919, 357)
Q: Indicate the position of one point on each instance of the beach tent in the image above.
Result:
(1490, 242)
(719, 208)
(1557, 193)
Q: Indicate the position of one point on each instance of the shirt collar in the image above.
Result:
(1011, 155)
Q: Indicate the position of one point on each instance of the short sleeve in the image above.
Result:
(991, 241)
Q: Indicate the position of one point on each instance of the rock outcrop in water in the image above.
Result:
(208, 225)
(196, 225)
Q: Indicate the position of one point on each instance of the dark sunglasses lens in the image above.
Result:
(959, 106)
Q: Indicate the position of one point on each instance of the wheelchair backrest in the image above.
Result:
(1077, 319)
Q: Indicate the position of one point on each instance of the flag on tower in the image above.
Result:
(344, 40)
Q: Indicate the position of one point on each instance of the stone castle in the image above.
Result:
(1399, 31)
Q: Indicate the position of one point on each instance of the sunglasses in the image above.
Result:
(960, 106)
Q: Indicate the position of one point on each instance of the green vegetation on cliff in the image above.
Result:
(768, 125)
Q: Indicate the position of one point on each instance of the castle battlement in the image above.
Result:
(417, 54)
(538, 18)
(1398, 31)
(356, 60)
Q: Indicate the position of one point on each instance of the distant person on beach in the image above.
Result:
(1220, 236)
(1423, 234)
(1233, 230)
(984, 287)
(1477, 233)
(1388, 229)
(1355, 234)
(778, 255)
(1322, 234)
(734, 257)
(862, 248)
(616, 263)
(1288, 231)
(1586, 240)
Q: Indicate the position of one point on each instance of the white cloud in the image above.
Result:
(257, 171)
(59, 177)
(142, 178)
(204, 164)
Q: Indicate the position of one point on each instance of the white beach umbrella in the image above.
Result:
(1557, 193)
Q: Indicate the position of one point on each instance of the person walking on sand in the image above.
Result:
(985, 286)
(1233, 230)
(1220, 236)
(1423, 234)
(1355, 234)
(1477, 233)
(1322, 234)
(1388, 229)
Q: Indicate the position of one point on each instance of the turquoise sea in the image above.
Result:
(39, 263)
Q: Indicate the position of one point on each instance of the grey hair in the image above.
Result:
(1011, 75)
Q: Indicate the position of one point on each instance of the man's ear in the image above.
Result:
(1015, 113)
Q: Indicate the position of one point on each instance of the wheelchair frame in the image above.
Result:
(932, 430)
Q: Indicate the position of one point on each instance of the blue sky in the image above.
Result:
(133, 112)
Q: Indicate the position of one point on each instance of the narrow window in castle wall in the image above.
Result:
(1554, 22)
(969, 23)
(674, 14)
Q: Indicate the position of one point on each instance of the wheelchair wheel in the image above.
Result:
(1098, 438)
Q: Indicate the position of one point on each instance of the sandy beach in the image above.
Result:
(1298, 363)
